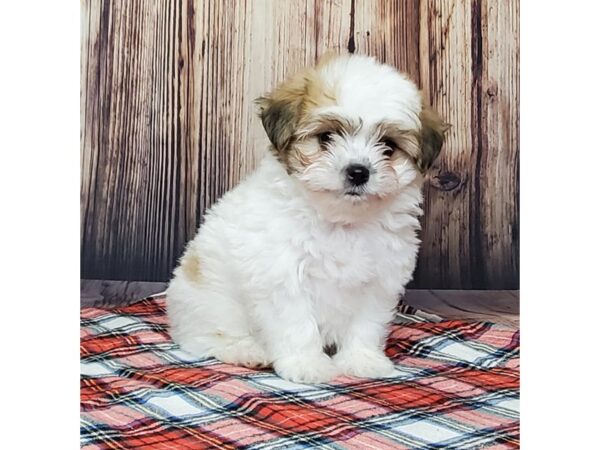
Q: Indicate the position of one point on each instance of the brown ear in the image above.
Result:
(433, 130)
(278, 119)
(280, 112)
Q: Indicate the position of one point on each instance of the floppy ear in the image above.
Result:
(278, 119)
(433, 130)
(280, 111)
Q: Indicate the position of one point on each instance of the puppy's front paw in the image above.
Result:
(306, 369)
(364, 363)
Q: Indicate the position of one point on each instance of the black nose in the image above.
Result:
(357, 174)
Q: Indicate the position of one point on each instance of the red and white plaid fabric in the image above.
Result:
(456, 387)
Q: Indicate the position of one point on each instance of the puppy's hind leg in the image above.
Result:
(244, 351)
(239, 350)
(210, 322)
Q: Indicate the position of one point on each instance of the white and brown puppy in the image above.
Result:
(314, 248)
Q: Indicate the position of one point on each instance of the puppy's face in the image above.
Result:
(352, 130)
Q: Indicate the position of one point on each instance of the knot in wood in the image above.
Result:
(445, 181)
(492, 91)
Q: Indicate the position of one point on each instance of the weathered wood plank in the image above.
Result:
(168, 122)
(129, 139)
(389, 30)
(447, 79)
(497, 190)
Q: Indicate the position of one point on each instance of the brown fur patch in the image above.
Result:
(284, 110)
(405, 140)
(296, 159)
(190, 265)
(431, 136)
(328, 122)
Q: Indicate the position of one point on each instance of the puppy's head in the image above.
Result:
(352, 129)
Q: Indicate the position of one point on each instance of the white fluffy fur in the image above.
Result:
(289, 263)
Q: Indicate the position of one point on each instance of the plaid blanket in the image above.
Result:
(456, 387)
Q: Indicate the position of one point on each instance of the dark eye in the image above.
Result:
(391, 147)
(325, 137)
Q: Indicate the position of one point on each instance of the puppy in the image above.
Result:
(314, 248)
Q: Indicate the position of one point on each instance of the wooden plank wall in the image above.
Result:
(168, 123)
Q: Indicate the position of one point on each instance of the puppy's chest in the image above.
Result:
(350, 258)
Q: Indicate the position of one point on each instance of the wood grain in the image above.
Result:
(498, 169)
(390, 31)
(469, 69)
(168, 122)
(447, 79)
